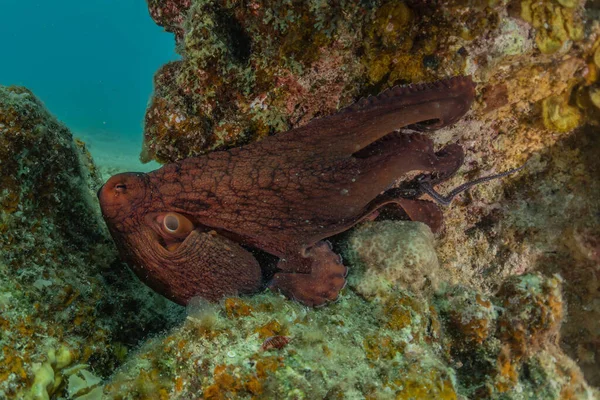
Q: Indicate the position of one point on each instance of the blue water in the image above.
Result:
(91, 62)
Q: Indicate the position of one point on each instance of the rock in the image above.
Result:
(506, 346)
(537, 68)
(64, 297)
(456, 345)
(391, 255)
(252, 70)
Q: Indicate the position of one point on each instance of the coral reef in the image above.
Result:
(250, 70)
(64, 299)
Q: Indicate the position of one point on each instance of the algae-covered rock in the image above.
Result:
(64, 297)
(348, 350)
(470, 314)
(169, 14)
(399, 255)
(506, 346)
(254, 69)
(459, 344)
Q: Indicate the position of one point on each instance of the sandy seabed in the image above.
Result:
(114, 154)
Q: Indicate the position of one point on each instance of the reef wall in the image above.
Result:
(254, 69)
(251, 70)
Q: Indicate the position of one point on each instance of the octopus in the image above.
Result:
(192, 228)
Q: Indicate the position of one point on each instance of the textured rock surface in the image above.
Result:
(401, 255)
(63, 298)
(250, 71)
(459, 343)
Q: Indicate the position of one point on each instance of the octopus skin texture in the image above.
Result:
(187, 228)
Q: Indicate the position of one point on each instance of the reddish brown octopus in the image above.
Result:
(187, 228)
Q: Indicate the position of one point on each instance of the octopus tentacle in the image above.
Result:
(424, 107)
(426, 186)
(321, 285)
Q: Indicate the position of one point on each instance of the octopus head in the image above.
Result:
(122, 195)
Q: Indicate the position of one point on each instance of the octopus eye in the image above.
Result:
(171, 223)
(120, 187)
(177, 225)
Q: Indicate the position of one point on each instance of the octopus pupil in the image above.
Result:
(171, 223)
